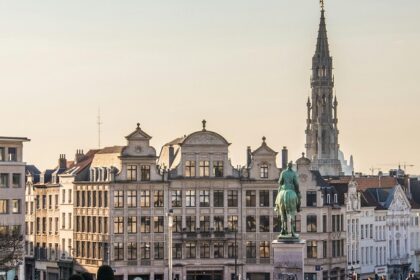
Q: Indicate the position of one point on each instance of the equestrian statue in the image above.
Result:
(288, 203)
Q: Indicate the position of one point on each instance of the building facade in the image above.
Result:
(12, 194)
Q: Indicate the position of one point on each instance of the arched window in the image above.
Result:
(328, 198)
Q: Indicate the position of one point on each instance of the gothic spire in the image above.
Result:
(322, 49)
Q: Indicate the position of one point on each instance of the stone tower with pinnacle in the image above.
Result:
(321, 131)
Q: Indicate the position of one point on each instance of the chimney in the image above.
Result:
(171, 155)
(79, 156)
(248, 156)
(284, 158)
(62, 162)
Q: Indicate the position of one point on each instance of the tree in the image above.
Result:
(11, 248)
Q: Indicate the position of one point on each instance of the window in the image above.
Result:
(118, 251)
(2, 153)
(311, 248)
(190, 250)
(324, 248)
(190, 198)
(264, 170)
(131, 172)
(176, 198)
(233, 223)
(99, 198)
(218, 223)
(145, 250)
(311, 223)
(145, 198)
(177, 251)
(69, 218)
(250, 198)
(204, 223)
(15, 206)
(264, 223)
(276, 220)
(4, 206)
(204, 251)
(232, 198)
(324, 223)
(12, 154)
(264, 249)
(219, 250)
(159, 249)
(118, 225)
(132, 224)
(190, 168)
(131, 199)
(105, 199)
(56, 201)
(311, 198)
(158, 224)
(16, 180)
(89, 198)
(44, 202)
(70, 198)
(250, 224)
(145, 224)
(232, 250)
(218, 168)
(251, 250)
(158, 199)
(204, 168)
(177, 224)
(63, 196)
(204, 198)
(218, 199)
(145, 172)
(44, 225)
(118, 199)
(264, 198)
(190, 223)
(4, 180)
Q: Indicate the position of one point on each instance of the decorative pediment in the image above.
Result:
(138, 135)
(205, 138)
(264, 150)
(399, 200)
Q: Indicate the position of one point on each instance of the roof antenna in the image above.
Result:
(99, 123)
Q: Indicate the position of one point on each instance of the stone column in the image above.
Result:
(288, 259)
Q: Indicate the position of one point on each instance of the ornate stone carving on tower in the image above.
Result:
(321, 132)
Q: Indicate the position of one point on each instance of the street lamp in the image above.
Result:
(170, 225)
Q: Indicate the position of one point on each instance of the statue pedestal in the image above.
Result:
(288, 259)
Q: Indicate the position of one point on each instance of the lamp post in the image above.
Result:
(170, 225)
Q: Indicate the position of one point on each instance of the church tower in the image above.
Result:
(321, 131)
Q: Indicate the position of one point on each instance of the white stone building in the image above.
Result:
(12, 190)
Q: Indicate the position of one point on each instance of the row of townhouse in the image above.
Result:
(110, 205)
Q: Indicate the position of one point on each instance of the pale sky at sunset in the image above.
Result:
(243, 65)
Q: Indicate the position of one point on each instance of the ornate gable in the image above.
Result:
(138, 135)
(264, 150)
(205, 138)
(399, 200)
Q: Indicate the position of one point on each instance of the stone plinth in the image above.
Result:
(288, 259)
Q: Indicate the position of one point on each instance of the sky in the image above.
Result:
(243, 65)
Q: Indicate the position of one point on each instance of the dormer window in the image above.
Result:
(132, 172)
(190, 168)
(2, 150)
(204, 168)
(328, 198)
(145, 172)
(218, 168)
(335, 198)
(264, 170)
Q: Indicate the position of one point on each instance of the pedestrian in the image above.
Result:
(105, 272)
